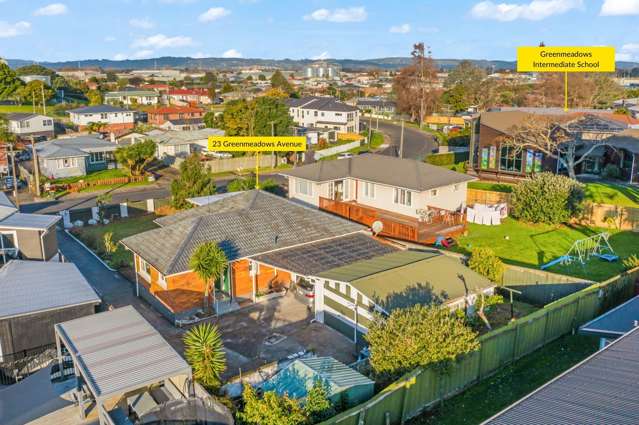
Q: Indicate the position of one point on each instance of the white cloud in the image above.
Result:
(231, 53)
(535, 10)
(119, 57)
(321, 56)
(213, 14)
(177, 1)
(161, 41)
(8, 30)
(109, 38)
(628, 52)
(400, 29)
(52, 10)
(144, 23)
(351, 14)
(142, 54)
(619, 7)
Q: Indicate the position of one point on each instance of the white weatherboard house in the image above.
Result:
(26, 125)
(324, 112)
(402, 186)
(113, 117)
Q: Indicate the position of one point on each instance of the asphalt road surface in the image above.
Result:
(417, 144)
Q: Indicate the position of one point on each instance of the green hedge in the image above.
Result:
(446, 159)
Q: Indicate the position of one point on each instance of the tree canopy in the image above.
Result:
(136, 157)
(9, 82)
(417, 336)
(254, 118)
(33, 92)
(194, 180)
(279, 81)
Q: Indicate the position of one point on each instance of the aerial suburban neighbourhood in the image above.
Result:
(332, 213)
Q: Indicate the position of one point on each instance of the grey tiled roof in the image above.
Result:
(317, 257)
(398, 172)
(250, 223)
(321, 103)
(32, 286)
(73, 146)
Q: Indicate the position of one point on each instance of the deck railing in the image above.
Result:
(395, 225)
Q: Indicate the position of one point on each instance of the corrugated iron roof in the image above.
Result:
(119, 351)
(602, 389)
(336, 372)
(29, 221)
(615, 322)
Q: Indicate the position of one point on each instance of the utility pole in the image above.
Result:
(13, 172)
(401, 141)
(273, 162)
(370, 130)
(44, 103)
(36, 166)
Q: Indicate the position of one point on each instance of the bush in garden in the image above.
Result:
(631, 262)
(547, 198)
(611, 171)
(484, 261)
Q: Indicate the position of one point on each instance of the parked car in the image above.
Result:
(220, 155)
(344, 155)
(305, 292)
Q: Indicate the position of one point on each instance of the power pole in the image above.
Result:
(401, 141)
(36, 166)
(44, 103)
(370, 125)
(13, 172)
(273, 162)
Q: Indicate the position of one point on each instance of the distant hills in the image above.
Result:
(390, 63)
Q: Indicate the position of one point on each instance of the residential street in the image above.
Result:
(417, 144)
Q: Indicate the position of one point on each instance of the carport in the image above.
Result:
(119, 361)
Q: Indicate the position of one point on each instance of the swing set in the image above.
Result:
(583, 249)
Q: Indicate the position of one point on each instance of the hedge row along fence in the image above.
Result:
(446, 159)
(424, 388)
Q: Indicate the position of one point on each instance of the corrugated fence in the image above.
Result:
(425, 387)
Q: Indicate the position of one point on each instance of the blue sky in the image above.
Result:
(474, 29)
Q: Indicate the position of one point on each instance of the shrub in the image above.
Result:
(547, 198)
(417, 336)
(204, 350)
(631, 262)
(484, 261)
(271, 409)
(611, 171)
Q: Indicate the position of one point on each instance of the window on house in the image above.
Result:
(67, 162)
(315, 113)
(304, 187)
(369, 190)
(402, 197)
(145, 268)
(338, 114)
(510, 159)
(433, 192)
(95, 157)
(103, 116)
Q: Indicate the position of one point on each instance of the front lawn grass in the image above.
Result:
(7, 109)
(513, 382)
(534, 245)
(93, 236)
(613, 194)
(491, 186)
(96, 175)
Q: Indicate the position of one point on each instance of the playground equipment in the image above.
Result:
(582, 249)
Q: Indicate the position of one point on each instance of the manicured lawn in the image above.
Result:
(97, 175)
(495, 187)
(614, 194)
(7, 109)
(489, 397)
(534, 245)
(93, 236)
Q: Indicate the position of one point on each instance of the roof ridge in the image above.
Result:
(185, 240)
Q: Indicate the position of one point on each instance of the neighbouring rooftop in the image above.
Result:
(614, 323)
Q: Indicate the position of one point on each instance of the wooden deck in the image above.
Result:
(399, 226)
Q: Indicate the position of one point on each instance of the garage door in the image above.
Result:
(339, 325)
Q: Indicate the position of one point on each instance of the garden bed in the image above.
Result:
(534, 245)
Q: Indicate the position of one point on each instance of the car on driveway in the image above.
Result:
(305, 292)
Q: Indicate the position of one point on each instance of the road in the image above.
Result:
(122, 195)
(417, 144)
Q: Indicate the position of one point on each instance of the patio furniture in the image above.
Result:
(142, 403)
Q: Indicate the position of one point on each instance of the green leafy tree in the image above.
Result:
(547, 198)
(248, 183)
(209, 263)
(237, 118)
(33, 92)
(271, 110)
(318, 407)
(136, 157)
(270, 409)
(484, 261)
(417, 336)
(111, 77)
(122, 83)
(95, 126)
(6, 136)
(213, 120)
(94, 96)
(261, 77)
(204, 351)
(209, 78)
(278, 80)
(9, 82)
(194, 180)
(227, 87)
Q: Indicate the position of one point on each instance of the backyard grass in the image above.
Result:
(613, 194)
(513, 382)
(93, 236)
(495, 187)
(7, 109)
(534, 245)
(96, 175)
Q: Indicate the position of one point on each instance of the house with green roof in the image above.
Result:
(347, 297)
(339, 380)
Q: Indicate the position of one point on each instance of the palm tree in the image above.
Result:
(204, 351)
(209, 263)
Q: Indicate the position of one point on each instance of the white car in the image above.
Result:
(220, 155)
(344, 155)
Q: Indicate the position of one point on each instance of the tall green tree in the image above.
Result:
(9, 82)
(209, 262)
(204, 351)
(278, 80)
(94, 96)
(270, 409)
(318, 407)
(417, 336)
(6, 136)
(194, 180)
(136, 157)
(33, 92)
(271, 110)
(237, 118)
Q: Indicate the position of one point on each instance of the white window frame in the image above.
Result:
(72, 162)
(162, 281)
(143, 264)
(303, 187)
(402, 197)
(92, 159)
(369, 190)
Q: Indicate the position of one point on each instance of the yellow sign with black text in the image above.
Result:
(257, 143)
(566, 59)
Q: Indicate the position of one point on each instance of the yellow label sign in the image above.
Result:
(566, 59)
(257, 143)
